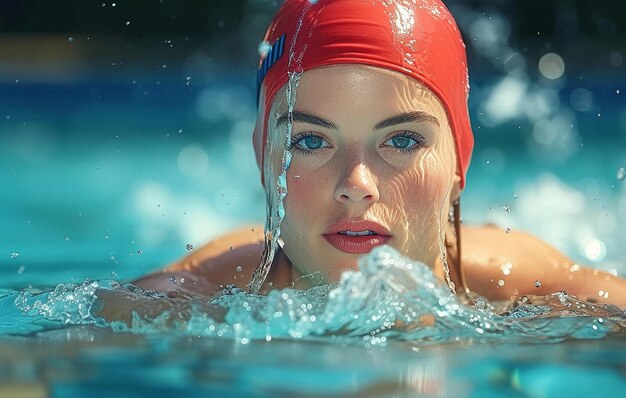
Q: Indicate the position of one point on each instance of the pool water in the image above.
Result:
(390, 329)
(82, 361)
(108, 182)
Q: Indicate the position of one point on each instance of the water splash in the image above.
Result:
(621, 174)
(389, 298)
(275, 198)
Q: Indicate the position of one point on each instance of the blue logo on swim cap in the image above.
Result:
(273, 55)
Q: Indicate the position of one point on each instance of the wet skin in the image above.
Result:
(370, 144)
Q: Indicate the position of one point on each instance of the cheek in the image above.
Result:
(422, 185)
(303, 200)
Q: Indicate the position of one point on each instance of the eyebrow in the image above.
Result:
(407, 117)
(303, 117)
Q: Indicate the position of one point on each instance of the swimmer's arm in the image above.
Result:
(173, 310)
(228, 260)
(534, 268)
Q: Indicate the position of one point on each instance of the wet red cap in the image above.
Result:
(418, 38)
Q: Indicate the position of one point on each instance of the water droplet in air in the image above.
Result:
(500, 282)
(230, 248)
(113, 274)
(70, 39)
(172, 279)
(106, 236)
(14, 255)
(621, 174)
(189, 246)
(239, 268)
(508, 230)
(514, 196)
(506, 208)
(21, 269)
(127, 23)
(139, 252)
(67, 238)
(537, 283)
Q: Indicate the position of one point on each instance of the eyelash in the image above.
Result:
(296, 138)
(420, 141)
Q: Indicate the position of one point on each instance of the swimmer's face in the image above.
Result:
(372, 152)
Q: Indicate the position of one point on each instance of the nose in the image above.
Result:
(357, 186)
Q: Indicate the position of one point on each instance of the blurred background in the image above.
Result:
(125, 129)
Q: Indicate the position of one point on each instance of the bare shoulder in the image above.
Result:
(501, 264)
(229, 259)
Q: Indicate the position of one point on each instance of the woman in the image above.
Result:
(372, 97)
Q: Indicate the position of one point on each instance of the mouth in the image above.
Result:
(356, 237)
(358, 233)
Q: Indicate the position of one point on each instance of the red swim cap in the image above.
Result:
(418, 38)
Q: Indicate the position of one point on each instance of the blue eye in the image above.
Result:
(402, 142)
(405, 141)
(309, 143)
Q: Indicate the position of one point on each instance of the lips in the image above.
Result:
(356, 237)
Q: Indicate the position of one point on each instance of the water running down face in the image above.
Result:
(368, 145)
(408, 62)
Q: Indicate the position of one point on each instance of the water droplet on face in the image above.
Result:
(14, 255)
(21, 269)
(508, 230)
(621, 174)
(537, 283)
(500, 282)
(172, 279)
(189, 247)
(239, 268)
(230, 248)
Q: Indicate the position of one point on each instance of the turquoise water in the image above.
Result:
(100, 189)
(370, 335)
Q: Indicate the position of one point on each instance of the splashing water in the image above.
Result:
(621, 174)
(389, 298)
(275, 199)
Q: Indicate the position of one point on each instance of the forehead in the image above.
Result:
(360, 89)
